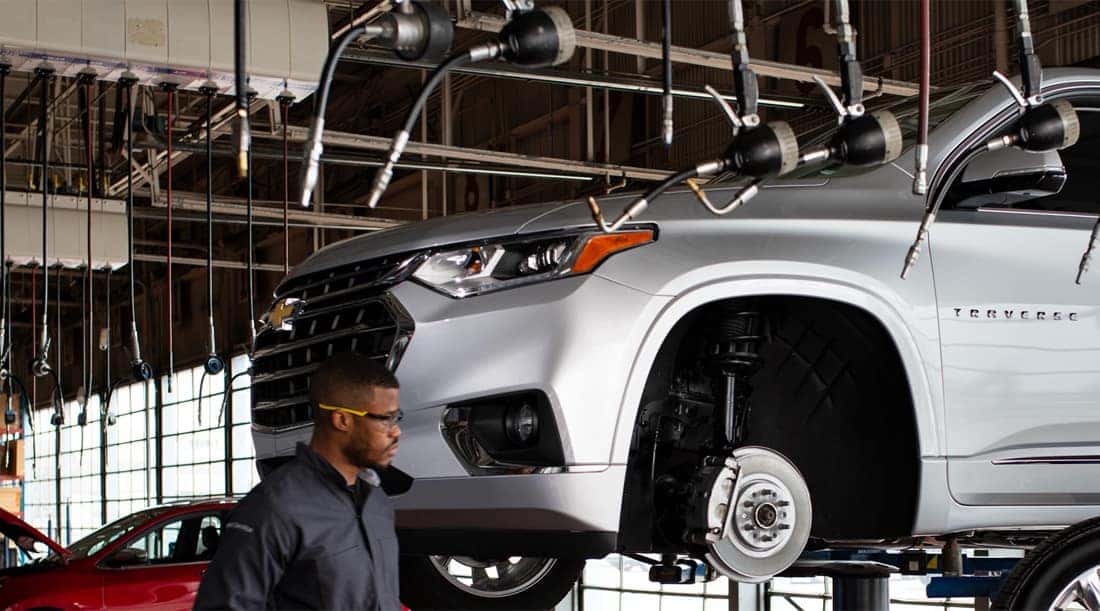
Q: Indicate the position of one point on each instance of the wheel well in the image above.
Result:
(830, 393)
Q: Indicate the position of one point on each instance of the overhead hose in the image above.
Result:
(5, 328)
(86, 302)
(251, 260)
(225, 395)
(40, 366)
(139, 368)
(242, 133)
(57, 397)
(105, 406)
(171, 89)
(666, 62)
(385, 173)
(284, 103)
(214, 363)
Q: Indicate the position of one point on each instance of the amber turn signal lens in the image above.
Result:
(600, 247)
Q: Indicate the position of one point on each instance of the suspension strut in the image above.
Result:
(40, 366)
(733, 357)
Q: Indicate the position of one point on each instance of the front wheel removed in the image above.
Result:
(459, 582)
(757, 514)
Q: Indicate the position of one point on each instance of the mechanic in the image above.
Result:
(318, 532)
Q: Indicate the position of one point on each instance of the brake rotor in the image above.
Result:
(759, 515)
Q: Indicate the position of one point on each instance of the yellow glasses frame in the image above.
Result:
(390, 420)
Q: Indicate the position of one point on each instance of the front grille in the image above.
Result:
(345, 309)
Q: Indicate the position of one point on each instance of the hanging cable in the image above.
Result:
(40, 366)
(214, 363)
(666, 63)
(57, 396)
(86, 304)
(105, 414)
(251, 262)
(920, 178)
(5, 383)
(170, 88)
(284, 105)
(534, 38)
(421, 29)
(140, 369)
(242, 135)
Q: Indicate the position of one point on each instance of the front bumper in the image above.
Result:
(573, 339)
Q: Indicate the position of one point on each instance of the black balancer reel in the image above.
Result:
(417, 30)
(1050, 126)
(538, 38)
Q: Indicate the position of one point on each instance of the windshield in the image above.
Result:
(943, 103)
(112, 532)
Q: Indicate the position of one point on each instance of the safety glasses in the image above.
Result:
(389, 420)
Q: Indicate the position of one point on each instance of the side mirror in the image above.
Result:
(129, 556)
(1008, 176)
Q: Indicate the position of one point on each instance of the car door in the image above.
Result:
(1020, 339)
(160, 568)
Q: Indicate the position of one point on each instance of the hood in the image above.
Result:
(24, 535)
(468, 227)
(421, 235)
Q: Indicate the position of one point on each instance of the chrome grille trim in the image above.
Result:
(348, 308)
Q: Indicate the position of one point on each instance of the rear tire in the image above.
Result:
(537, 585)
(1048, 577)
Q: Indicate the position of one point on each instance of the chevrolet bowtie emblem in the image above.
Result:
(281, 314)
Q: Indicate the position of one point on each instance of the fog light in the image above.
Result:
(521, 424)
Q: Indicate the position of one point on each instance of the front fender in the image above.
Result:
(912, 325)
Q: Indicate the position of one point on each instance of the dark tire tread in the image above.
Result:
(1029, 574)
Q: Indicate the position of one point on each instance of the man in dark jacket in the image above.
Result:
(318, 532)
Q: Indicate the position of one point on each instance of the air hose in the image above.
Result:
(140, 369)
(214, 363)
(170, 88)
(40, 366)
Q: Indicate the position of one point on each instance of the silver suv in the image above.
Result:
(731, 389)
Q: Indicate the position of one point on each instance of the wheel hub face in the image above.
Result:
(765, 514)
(1081, 593)
(761, 516)
(498, 578)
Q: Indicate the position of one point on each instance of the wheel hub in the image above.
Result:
(764, 515)
(758, 515)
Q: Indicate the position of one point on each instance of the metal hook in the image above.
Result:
(743, 196)
(1012, 88)
(727, 110)
(612, 187)
(831, 96)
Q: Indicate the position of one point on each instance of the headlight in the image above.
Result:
(492, 266)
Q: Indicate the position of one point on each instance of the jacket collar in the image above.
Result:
(328, 472)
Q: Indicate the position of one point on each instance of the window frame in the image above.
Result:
(221, 513)
(1004, 117)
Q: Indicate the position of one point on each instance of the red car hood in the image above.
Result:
(23, 534)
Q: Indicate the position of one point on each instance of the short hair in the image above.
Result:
(344, 375)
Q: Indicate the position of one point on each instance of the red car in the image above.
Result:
(151, 559)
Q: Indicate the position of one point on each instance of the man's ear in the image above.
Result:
(341, 421)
